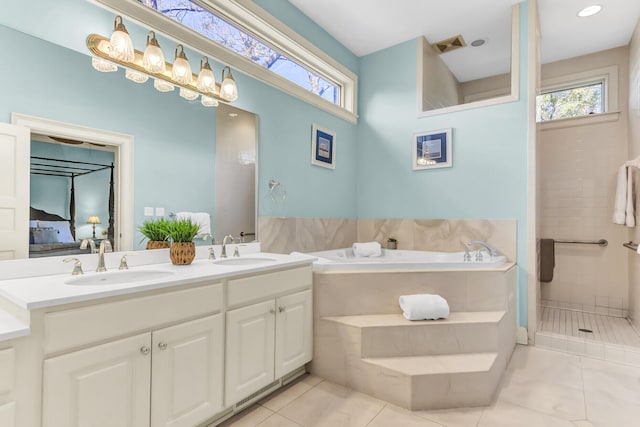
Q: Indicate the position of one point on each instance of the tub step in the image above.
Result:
(391, 335)
(436, 382)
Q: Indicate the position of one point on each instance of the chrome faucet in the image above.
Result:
(224, 245)
(105, 246)
(491, 251)
(90, 242)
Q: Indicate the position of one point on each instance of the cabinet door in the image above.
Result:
(102, 386)
(294, 334)
(186, 383)
(250, 350)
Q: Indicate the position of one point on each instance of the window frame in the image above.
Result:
(256, 21)
(608, 76)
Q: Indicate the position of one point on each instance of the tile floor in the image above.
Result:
(540, 388)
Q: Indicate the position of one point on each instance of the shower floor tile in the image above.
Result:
(572, 323)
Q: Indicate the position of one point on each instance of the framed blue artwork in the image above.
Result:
(323, 147)
(432, 150)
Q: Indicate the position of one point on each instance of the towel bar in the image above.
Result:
(601, 242)
(631, 245)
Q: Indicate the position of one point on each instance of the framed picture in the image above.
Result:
(432, 149)
(323, 147)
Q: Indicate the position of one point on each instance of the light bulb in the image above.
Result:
(153, 58)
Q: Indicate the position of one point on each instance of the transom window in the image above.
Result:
(193, 15)
(573, 101)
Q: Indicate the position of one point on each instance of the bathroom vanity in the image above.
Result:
(187, 346)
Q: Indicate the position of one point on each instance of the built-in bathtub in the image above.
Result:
(346, 260)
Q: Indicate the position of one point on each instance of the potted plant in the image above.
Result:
(157, 231)
(182, 233)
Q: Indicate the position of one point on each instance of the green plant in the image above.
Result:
(156, 229)
(183, 230)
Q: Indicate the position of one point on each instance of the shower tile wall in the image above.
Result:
(578, 168)
(284, 235)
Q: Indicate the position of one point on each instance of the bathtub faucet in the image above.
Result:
(491, 251)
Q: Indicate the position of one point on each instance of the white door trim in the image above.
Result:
(123, 224)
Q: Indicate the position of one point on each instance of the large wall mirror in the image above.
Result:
(475, 67)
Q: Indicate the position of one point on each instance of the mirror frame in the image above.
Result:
(515, 75)
(123, 162)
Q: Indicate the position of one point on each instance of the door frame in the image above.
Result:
(123, 162)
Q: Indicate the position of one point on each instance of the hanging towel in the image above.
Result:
(368, 249)
(424, 307)
(624, 205)
(203, 219)
(547, 259)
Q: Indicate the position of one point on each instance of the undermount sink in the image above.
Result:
(119, 277)
(244, 261)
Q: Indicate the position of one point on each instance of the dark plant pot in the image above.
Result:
(182, 253)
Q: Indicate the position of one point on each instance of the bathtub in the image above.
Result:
(344, 259)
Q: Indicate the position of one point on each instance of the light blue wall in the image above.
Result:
(489, 174)
(52, 194)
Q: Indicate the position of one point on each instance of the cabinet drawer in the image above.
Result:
(76, 327)
(261, 286)
(7, 371)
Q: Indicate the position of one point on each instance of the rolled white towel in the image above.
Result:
(424, 307)
(367, 249)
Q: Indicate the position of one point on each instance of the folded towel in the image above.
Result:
(547, 259)
(367, 249)
(424, 306)
(624, 204)
(201, 218)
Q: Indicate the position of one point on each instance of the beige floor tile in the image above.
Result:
(250, 417)
(459, 417)
(392, 416)
(553, 399)
(312, 380)
(620, 381)
(284, 396)
(546, 366)
(605, 409)
(276, 420)
(584, 423)
(332, 405)
(505, 414)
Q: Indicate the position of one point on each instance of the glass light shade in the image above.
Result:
(181, 71)
(153, 60)
(206, 80)
(93, 219)
(207, 101)
(135, 76)
(103, 66)
(188, 94)
(162, 86)
(228, 88)
(121, 46)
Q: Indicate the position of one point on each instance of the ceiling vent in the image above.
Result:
(449, 44)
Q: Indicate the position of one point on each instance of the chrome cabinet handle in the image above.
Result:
(145, 350)
(281, 309)
(162, 345)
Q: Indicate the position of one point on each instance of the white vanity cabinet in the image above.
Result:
(268, 339)
(7, 384)
(169, 376)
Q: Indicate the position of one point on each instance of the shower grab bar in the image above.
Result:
(601, 242)
(631, 245)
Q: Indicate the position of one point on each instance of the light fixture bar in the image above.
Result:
(99, 46)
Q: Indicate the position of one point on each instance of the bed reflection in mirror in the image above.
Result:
(71, 192)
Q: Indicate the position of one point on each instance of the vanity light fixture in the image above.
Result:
(228, 88)
(589, 10)
(120, 45)
(153, 58)
(108, 54)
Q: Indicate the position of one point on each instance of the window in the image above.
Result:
(192, 15)
(569, 102)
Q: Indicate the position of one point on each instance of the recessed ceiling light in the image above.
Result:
(477, 43)
(589, 10)
(233, 114)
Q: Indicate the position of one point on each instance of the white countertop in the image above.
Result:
(32, 293)
(10, 327)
